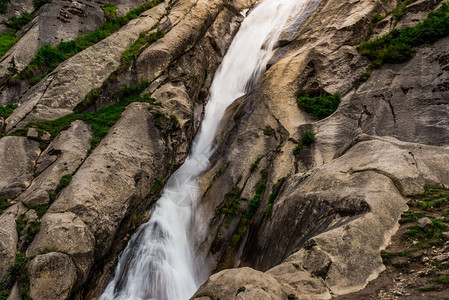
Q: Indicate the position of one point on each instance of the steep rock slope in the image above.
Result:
(76, 203)
(316, 222)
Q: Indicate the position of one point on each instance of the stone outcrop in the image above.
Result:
(63, 156)
(17, 158)
(52, 276)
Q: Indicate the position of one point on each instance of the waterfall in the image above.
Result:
(158, 261)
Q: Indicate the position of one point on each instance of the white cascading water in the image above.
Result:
(158, 261)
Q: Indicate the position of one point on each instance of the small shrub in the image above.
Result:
(308, 138)
(241, 289)
(110, 11)
(320, 106)
(16, 23)
(376, 17)
(32, 229)
(20, 223)
(40, 209)
(298, 148)
(4, 204)
(64, 182)
(254, 165)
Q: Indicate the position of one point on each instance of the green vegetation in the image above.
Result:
(6, 111)
(17, 272)
(220, 171)
(20, 223)
(268, 131)
(16, 23)
(260, 189)
(4, 6)
(272, 197)
(40, 209)
(429, 288)
(443, 279)
(420, 245)
(31, 231)
(398, 45)
(241, 289)
(145, 39)
(231, 205)
(255, 165)
(4, 204)
(39, 3)
(100, 120)
(157, 186)
(8, 39)
(400, 10)
(320, 106)
(307, 139)
(49, 57)
(65, 180)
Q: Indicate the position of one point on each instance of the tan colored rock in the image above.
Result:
(17, 159)
(119, 171)
(65, 233)
(63, 156)
(52, 276)
(15, 292)
(59, 92)
(8, 243)
(243, 283)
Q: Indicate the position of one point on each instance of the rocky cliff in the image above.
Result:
(100, 105)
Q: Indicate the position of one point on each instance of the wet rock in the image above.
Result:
(52, 276)
(17, 159)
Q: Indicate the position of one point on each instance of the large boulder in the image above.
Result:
(52, 276)
(65, 233)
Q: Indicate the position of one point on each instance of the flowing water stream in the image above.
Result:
(158, 262)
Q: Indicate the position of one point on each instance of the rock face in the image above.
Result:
(17, 159)
(316, 217)
(8, 243)
(324, 214)
(55, 22)
(63, 156)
